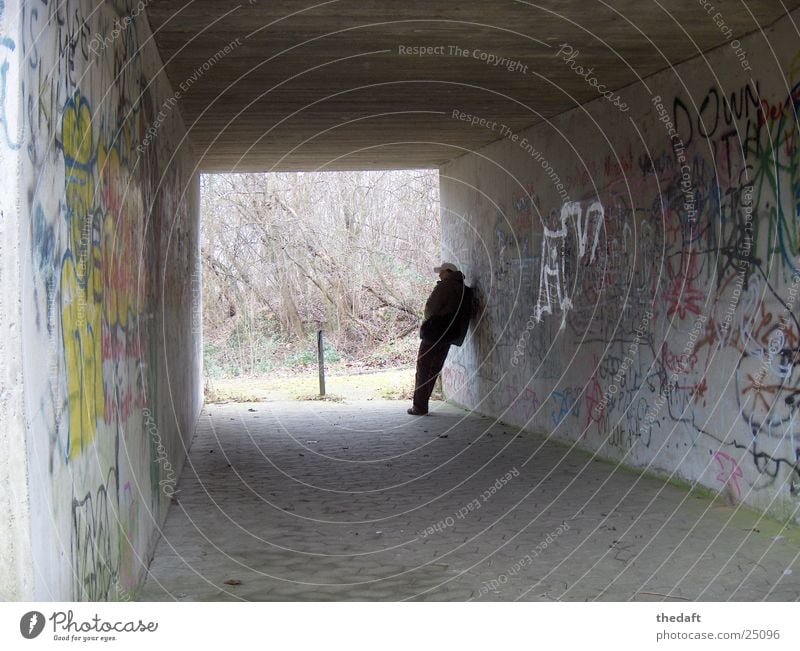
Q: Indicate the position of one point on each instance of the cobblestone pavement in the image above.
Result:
(360, 501)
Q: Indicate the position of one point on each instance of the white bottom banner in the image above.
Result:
(398, 625)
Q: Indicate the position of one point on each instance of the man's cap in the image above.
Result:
(445, 266)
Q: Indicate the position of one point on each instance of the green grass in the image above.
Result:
(393, 384)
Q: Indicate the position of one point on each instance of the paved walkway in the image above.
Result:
(326, 501)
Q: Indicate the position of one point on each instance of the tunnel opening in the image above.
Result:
(298, 263)
(627, 208)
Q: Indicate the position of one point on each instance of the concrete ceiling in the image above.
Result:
(323, 84)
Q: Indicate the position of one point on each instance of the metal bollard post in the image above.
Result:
(321, 357)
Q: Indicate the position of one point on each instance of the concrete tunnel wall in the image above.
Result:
(641, 294)
(16, 574)
(104, 202)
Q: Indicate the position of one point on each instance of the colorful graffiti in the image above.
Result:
(667, 295)
(97, 208)
(81, 289)
(7, 46)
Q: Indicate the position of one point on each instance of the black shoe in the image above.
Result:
(415, 412)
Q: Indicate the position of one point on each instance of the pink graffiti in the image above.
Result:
(729, 471)
(457, 380)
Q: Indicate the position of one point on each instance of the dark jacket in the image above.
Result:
(445, 297)
(448, 312)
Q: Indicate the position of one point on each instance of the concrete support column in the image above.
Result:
(16, 570)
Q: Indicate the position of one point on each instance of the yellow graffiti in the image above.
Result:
(81, 289)
(102, 282)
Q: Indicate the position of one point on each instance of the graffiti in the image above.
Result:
(458, 384)
(567, 402)
(81, 291)
(769, 467)
(552, 275)
(588, 225)
(518, 403)
(729, 473)
(681, 295)
(101, 295)
(7, 45)
(737, 249)
(525, 202)
(100, 273)
(677, 275)
(95, 544)
(129, 529)
(730, 123)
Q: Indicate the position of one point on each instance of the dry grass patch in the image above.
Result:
(393, 384)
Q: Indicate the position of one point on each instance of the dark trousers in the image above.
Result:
(430, 360)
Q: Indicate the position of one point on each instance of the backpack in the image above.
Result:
(466, 312)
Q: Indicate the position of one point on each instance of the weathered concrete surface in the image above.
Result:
(325, 84)
(103, 376)
(16, 568)
(342, 502)
(640, 274)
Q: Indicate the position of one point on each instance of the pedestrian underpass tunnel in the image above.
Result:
(619, 181)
